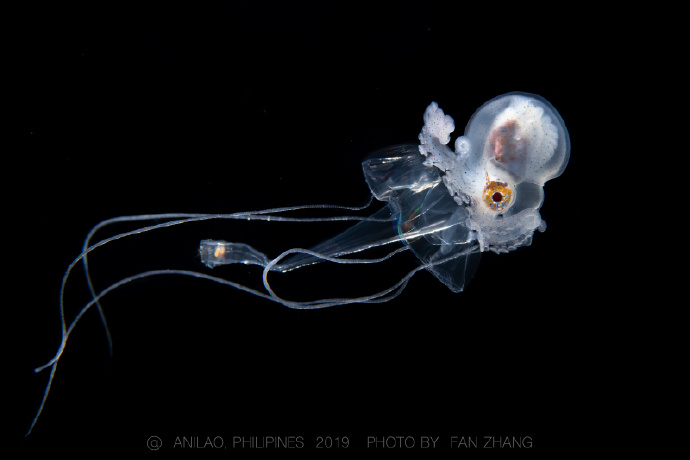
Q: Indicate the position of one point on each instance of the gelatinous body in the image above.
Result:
(445, 206)
(512, 145)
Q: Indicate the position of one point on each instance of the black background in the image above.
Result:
(128, 110)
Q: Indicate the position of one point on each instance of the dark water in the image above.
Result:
(130, 110)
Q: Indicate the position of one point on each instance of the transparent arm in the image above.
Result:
(420, 214)
(377, 231)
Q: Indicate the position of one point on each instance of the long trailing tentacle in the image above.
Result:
(381, 296)
(180, 219)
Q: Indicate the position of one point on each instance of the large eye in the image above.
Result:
(497, 195)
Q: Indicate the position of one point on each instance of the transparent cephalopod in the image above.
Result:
(445, 206)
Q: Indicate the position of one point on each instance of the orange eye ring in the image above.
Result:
(497, 195)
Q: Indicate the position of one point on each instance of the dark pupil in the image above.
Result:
(497, 197)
